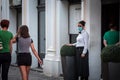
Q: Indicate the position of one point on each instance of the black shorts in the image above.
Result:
(24, 59)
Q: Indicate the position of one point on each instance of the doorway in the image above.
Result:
(110, 14)
(41, 29)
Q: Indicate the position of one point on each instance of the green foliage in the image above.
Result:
(68, 50)
(111, 54)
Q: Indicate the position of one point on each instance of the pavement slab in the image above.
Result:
(14, 74)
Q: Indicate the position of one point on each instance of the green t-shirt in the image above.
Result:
(112, 37)
(5, 37)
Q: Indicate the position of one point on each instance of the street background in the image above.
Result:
(14, 74)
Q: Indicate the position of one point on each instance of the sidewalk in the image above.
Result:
(14, 74)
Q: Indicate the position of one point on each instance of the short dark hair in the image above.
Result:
(24, 31)
(112, 26)
(4, 23)
(82, 22)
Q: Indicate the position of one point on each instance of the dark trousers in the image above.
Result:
(5, 60)
(82, 64)
(84, 78)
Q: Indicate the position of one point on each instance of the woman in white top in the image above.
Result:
(81, 44)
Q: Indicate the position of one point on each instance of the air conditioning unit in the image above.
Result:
(15, 2)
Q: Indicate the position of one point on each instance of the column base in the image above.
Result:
(51, 65)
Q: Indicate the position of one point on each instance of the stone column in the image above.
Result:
(82, 9)
(50, 57)
(25, 14)
(93, 26)
(56, 35)
(62, 36)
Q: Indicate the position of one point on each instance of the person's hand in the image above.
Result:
(18, 32)
(69, 44)
(117, 43)
(82, 55)
(40, 62)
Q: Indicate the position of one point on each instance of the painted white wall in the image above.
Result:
(5, 9)
(93, 19)
(12, 28)
(29, 17)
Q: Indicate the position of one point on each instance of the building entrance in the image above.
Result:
(110, 14)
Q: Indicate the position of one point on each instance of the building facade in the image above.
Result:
(53, 23)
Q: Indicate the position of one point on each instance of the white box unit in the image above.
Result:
(15, 2)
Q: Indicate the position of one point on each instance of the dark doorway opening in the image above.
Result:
(110, 14)
(41, 29)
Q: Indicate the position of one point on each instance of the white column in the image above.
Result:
(50, 57)
(62, 36)
(5, 9)
(93, 19)
(82, 10)
(50, 26)
(30, 18)
(25, 12)
(56, 27)
(0, 10)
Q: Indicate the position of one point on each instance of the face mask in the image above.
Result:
(80, 29)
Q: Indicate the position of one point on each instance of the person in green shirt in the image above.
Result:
(6, 48)
(111, 37)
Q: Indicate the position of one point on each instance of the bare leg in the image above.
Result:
(24, 74)
(28, 70)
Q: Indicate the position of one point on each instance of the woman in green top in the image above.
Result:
(111, 37)
(5, 51)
